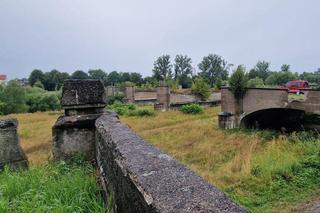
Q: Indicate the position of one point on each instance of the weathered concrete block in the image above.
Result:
(74, 135)
(84, 102)
(11, 153)
(141, 178)
(83, 97)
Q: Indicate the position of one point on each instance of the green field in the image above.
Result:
(262, 171)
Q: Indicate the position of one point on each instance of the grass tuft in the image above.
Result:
(55, 187)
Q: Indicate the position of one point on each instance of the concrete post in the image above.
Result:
(163, 98)
(129, 93)
(83, 102)
(110, 91)
(11, 153)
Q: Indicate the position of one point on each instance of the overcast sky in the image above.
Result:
(128, 35)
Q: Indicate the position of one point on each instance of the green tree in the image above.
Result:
(98, 74)
(182, 66)
(255, 82)
(312, 77)
(279, 78)
(79, 74)
(162, 68)
(13, 98)
(201, 88)
(261, 70)
(238, 82)
(285, 68)
(113, 78)
(183, 70)
(54, 79)
(36, 75)
(136, 78)
(125, 76)
(213, 67)
(38, 84)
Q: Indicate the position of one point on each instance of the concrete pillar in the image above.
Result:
(74, 133)
(163, 98)
(11, 153)
(110, 91)
(129, 94)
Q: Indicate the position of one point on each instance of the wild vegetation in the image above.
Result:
(54, 187)
(15, 98)
(47, 186)
(191, 109)
(263, 171)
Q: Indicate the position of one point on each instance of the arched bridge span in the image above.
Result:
(269, 108)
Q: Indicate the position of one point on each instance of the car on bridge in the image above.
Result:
(296, 85)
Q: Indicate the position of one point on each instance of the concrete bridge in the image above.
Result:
(268, 107)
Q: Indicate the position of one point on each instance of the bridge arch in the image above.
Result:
(274, 118)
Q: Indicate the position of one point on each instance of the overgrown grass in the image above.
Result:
(262, 170)
(35, 134)
(55, 187)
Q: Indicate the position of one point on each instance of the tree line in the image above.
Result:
(44, 90)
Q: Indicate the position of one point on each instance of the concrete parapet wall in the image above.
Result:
(145, 95)
(141, 178)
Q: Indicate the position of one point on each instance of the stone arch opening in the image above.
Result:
(280, 119)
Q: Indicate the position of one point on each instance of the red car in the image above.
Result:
(296, 85)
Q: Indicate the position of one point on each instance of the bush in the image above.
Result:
(238, 82)
(121, 109)
(191, 109)
(42, 100)
(116, 98)
(201, 88)
(13, 98)
(255, 82)
(141, 113)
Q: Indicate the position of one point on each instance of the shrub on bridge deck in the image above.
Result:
(201, 88)
(238, 82)
(191, 109)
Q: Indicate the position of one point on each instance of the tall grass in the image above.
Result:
(35, 134)
(263, 171)
(55, 187)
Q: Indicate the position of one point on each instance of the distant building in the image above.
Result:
(3, 79)
(23, 81)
